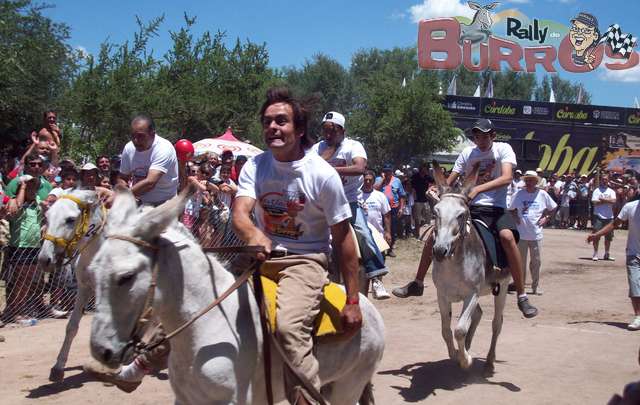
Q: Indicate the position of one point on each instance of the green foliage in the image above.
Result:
(37, 66)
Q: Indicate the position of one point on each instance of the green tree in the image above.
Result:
(37, 66)
(565, 91)
(395, 122)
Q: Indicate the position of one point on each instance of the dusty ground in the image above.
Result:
(577, 351)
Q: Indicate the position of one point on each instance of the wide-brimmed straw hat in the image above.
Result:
(531, 173)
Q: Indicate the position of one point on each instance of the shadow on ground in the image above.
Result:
(620, 325)
(70, 382)
(426, 378)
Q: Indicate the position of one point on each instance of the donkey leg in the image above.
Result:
(475, 320)
(445, 318)
(469, 307)
(499, 302)
(57, 371)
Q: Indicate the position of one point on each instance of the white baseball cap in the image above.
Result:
(89, 166)
(334, 117)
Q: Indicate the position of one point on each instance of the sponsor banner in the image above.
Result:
(588, 113)
(516, 109)
(563, 148)
(463, 105)
(633, 118)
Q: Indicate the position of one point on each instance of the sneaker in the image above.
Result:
(607, 256)
(413, 289)
(379, 292)
(391, 253)
(635, 324)
(511, 288)
(111, 376)
(528, 310)
(58, 313)
(595, 257)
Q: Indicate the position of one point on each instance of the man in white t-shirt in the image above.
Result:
(630, 214)
(349, 159)
(602, 200)
(299, 204)
(532, 209)
(149, 164)
(488, 202)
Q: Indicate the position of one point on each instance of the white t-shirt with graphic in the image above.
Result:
(530, 207)
(630, 212)
(160, 156)
(490, 168)
(296, 202)
(377, 205)
(348, 150)
(604, 211)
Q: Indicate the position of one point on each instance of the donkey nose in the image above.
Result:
(440, 251)
(107, 354)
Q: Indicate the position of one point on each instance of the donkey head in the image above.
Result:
(123, 272)
(62, 221)
(451, 213)
(482, 18)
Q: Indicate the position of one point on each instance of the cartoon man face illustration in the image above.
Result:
(584, 35)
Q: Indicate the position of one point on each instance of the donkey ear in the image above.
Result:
(474, 5)
(152, 223)
(470, 179)
(124, 207)
(438, 175)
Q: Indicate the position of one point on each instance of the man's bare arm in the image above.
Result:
(146, 185)
(245, 228)
(357, 168)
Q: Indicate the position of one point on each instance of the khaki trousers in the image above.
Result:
(535, 247)
(300, 279)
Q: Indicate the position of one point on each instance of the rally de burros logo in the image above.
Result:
(492, 38)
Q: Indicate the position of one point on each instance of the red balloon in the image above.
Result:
(184, 150)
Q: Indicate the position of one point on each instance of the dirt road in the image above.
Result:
(577, 351)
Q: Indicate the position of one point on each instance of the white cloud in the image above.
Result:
(440, 8)
(521, 1)
(397, 15)
(82, 51)
(626, 76)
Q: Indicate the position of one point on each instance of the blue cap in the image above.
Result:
(387, 167)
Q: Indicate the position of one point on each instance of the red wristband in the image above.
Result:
(353, 301)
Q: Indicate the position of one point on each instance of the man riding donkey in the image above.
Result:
(487, 202)
(349, 159)
(300, 208)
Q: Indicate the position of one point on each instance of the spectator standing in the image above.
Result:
(631, 215)
(149, 164)
(237, 167)
(567, 195)
(391, 186)
(406, 227)
(582, 202)
(532, 209)
(378, 214)
(349, 159)
(602, 200)
(421, 181)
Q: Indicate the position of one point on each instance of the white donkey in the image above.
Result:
(461, 272)
(75, 219)
(480, 27)
(218, 359)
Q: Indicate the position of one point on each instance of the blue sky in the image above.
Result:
(296, 30)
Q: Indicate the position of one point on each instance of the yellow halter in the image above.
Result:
(80, 230)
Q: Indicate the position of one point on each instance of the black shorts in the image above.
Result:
(495, 218)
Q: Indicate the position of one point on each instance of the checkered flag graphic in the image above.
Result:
(620, 43)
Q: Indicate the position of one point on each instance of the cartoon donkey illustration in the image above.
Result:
(480, 27)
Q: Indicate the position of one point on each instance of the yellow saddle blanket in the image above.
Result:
(328, 321)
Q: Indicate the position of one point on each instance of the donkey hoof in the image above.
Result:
(56, 374)
(465, 361)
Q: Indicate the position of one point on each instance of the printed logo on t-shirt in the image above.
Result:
(139, 174)
(335, 162)
(485, 170)
(280, 212)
